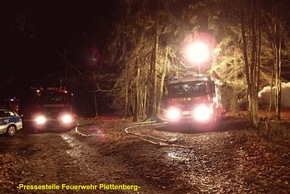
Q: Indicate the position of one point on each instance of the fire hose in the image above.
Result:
(155, 140)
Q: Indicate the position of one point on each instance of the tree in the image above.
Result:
(251, 33)
(276, 19)
(140, 47)
(243, 46)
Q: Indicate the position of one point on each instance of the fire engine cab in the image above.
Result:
(193, 99)
(48, 109)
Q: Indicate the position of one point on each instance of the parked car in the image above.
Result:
(10, 122)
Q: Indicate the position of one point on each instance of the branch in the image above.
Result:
(98, 89)
(69, 63)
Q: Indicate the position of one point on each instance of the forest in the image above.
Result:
(122, 67)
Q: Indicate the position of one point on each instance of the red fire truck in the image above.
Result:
(10, 103)
(193, 99)
(48, 109)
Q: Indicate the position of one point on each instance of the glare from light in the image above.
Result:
(202, 113)
(198, 52)
(173, 155)
(173, 114)
(40, 120)
(66, 119)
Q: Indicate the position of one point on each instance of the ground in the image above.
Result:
(113, 155)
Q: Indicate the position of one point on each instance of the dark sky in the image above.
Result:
(32, 30)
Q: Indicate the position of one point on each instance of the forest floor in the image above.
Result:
(113, 155)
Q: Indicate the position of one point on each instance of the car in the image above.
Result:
(10, 122)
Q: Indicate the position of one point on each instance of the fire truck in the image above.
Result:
(194, 100)
(47, 109)
(10, 103)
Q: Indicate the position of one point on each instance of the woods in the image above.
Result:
(144, 48)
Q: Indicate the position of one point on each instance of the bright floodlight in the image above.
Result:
(198, 52)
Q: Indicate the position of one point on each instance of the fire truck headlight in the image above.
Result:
(40, 120)
(66, 119)
(173, 114)
(202, 113)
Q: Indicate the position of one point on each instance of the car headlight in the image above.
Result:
(66, 119)
(202, 113)
(173, 114)
(40, 120)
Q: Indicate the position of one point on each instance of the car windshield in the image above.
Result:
(188, 89)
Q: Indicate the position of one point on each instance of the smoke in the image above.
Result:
(265, 95)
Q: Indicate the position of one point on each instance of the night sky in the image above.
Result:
(32, 31)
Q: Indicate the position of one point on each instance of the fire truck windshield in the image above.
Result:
(187, 89)
(51, 97)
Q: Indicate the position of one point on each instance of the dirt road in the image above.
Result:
(101, 157)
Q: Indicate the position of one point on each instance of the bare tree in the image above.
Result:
(276, 19)
(140, 46)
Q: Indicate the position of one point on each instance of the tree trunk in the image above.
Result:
(137, 91)
(153, 95)
(162, 82)
(253, 68)
(95, 95)
(96, 104)
(126, 100)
